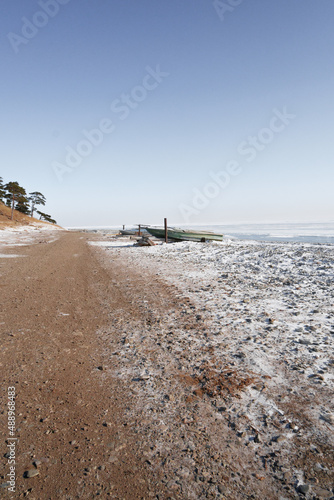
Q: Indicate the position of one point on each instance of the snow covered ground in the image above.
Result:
(273, 301)
(268, 310)
(26, 235)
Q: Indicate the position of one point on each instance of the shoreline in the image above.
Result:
(322, 233)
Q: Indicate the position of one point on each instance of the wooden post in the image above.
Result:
(139, 233)
(123, 227)
(166, 231)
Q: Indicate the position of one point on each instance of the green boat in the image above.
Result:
(178, 234)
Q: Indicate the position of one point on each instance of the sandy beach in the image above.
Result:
(187, 370)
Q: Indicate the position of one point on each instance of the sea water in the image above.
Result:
(290, 232)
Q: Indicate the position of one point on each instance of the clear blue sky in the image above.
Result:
(181, 90)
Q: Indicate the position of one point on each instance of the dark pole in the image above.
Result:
(166, 230)
(139, 233)
(123, 227)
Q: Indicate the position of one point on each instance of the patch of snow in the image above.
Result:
(114, 243)
(268, 308)
(27, 235)
(10, 256)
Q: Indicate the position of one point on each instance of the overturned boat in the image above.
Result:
(179, 234)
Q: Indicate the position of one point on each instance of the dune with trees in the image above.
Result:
(17, 207)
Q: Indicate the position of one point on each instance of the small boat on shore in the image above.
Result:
(128, 232)
(179, 234)
(131, 232)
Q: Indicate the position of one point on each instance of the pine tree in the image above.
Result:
(46, 217)
(22, 205)
(36, 198)
(15, 193)
(2, 190)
